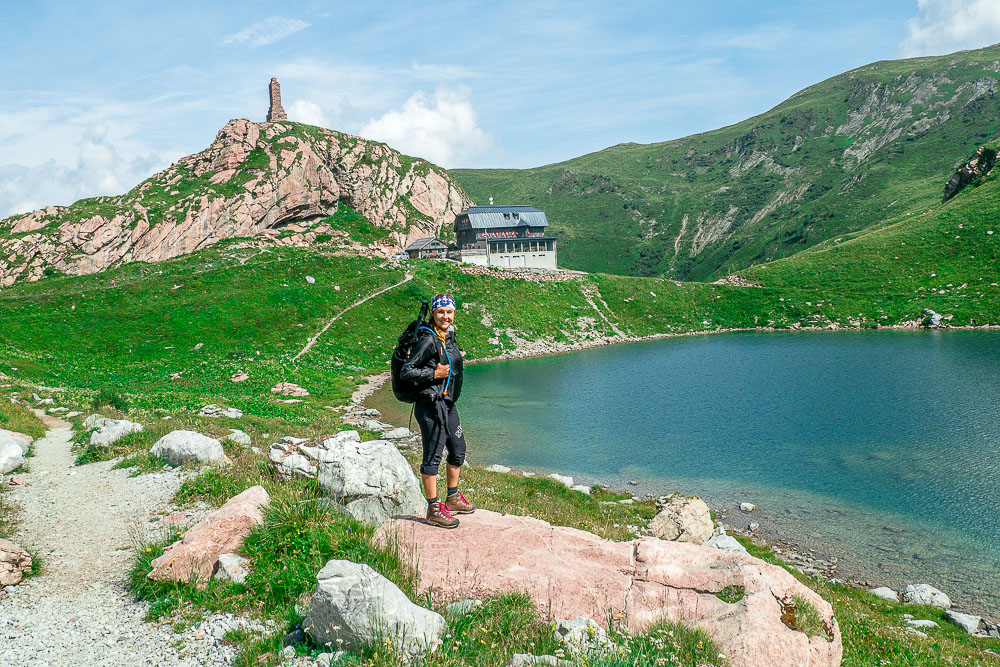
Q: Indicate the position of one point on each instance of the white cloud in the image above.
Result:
(267, 31)
(97, 168)
(443, 129)
(304, 111)
(944, 26)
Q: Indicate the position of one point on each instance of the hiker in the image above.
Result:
(435, 365)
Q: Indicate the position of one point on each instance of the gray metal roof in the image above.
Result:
(492, 217)
(420, 244)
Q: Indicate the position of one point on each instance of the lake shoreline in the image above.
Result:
(802, 552)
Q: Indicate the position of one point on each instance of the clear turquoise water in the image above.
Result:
(882, 448)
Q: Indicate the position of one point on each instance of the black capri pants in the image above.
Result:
(439, 428)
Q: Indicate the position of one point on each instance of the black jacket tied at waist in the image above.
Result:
(426, 354)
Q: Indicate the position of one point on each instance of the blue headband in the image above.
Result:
(442, 300)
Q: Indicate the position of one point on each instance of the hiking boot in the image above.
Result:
(438, 515)
(459, 505)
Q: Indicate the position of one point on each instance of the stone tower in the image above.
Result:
(275, 111)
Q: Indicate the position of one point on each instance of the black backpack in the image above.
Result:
(405, 390)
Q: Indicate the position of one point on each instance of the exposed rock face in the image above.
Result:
(356, 604)
(255, 180)
(15, 562)
(571, 573)
(197, 553)
(980, 166)
(275, 111)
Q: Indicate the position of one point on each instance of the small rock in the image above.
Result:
(288, 653)
(925, 594)
(753, 527)
(180, 447)
(747, 507)
(684, 519)
(918, 633)
(726, 543)
(213, 410)
(528, 660)
(232, 568)
(974, 625)
(582, 636)
(885, 593)
(397, 434)
(239, 437)
(239, 377)
(15, 562)
(112, 430)
(199, 346)
(581, 488)
(462, 607)
(310, 280)
(921, 623)
(562, 479)
(289, 389)
(294, 637)
(496, 467)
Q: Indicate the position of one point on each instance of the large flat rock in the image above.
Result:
(571, 573)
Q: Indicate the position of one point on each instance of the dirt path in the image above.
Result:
(312, 341)
(81, 522)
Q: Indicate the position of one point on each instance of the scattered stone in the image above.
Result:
(626, 501)
(462, 607)
(753, 527)
(74, 413)
(197, 553)
(496, 467)
(232, 568)
(726, 543)
(310, 280)
(562, 479)
(35, 397)
(288, 401)
(17, 481)
(239, 377)
(885, 593)
(47, 401)
(925, 594)
(354, 604)
(581, 488)
(11, 455)
(528, 660)
(684, 519)
(15, 562)
(95, 421)
(934, 319)
(974, 625)
(57, 411)
(583, 636)
(199, 346)
(239, 437)
(294, 637)
(397, 434)
(747, 507)
(213, 410)
(914, 631)
(112, 430)
(20, 440)
(180, 447)
(289, 389)
(920, 623)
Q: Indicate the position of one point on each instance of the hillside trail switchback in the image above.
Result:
(312, 341)
(82, 522)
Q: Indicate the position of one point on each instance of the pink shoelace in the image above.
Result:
(443, 509)
(461, 497)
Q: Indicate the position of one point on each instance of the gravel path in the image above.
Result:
(82, 522)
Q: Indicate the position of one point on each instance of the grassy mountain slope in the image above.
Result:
(835, 158)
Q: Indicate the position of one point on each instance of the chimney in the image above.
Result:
(275, 111)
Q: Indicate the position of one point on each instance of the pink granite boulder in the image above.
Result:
(195, 556)
(15, 562)
(572, 573)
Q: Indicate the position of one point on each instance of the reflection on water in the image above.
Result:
(883, 443)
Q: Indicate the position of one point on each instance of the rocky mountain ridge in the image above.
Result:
(280, 181)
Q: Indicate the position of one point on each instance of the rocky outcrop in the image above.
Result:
(15, 563)
(980, 166)
(110, 431)
(354, 605)
(255, 180)
(571, 573)
(925, 594)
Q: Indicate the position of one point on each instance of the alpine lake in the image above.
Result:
(881, 449)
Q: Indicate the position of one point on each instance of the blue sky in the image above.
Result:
(98, 96)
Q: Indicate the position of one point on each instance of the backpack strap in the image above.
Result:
(442, 348)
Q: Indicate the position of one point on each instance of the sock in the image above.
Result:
(431, 501)
(452, 490)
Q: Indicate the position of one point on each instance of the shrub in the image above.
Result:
(110, 398)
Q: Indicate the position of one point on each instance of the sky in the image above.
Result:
(96, 97)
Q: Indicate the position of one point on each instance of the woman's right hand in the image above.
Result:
(441, 372)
